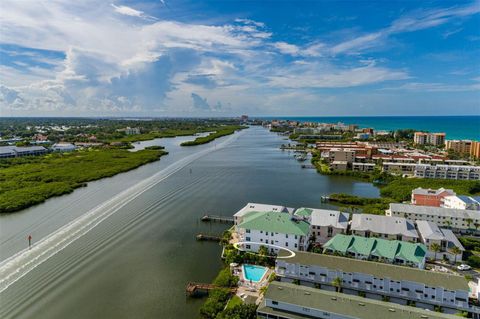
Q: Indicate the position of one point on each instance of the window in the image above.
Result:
(286, 235)
(274, 302)
(247, 231)
(286, 244)
(247, 246)
(247, 238)
(295, 245)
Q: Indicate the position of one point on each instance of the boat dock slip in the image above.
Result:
(203, 237)
(194, 287)
(217, 218)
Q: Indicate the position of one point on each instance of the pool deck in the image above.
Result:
(246, 289)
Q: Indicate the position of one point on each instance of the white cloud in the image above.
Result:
(287, 48)
(435, 87)
(131, 12)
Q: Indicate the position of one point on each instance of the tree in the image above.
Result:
(337, 283)
(435, 248)
(456, 251)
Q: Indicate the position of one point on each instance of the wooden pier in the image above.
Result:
(195, 287)
(217, 218)
(203, 237)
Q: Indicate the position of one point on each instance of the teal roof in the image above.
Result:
(386, 249)
(389, 249)
(362, 245)
(275, 222)
(307, 212)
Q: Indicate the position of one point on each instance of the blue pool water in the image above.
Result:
(253, 273)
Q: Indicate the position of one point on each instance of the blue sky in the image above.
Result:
(224, 58)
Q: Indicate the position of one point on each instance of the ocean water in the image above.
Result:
(456, 127)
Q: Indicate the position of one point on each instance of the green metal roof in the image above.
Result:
(362, 245)
(275, 222)
(380, 270)
(303, 212)
(342, 304)
(339, 243)
(382, 248)
(386, 249)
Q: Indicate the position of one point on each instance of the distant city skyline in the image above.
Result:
(225, 58)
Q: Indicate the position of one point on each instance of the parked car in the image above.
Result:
(464, 267)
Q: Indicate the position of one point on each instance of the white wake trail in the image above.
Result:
(20, 264)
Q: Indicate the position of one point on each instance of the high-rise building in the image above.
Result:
(421, 138)
(475, 149)
(459, 146)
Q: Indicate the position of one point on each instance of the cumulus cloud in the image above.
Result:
(105, 57)
(199, 102)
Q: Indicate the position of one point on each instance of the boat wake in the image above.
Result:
(20, 264)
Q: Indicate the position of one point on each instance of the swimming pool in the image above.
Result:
(253, 273)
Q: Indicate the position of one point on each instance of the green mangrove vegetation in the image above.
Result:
(218, 132)
(27, 181)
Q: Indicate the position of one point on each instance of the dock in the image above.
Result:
(195, 287)
(217, 218)
(203, 237)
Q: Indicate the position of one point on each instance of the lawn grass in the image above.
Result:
(234, 301)
(28, 181)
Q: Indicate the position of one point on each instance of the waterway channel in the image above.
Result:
(136, 262)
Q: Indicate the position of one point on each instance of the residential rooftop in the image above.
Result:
(339, 303)
(379, 270)
(327, 217)
(383, 225)
(382, 248)
(283, 223)
(437, 211)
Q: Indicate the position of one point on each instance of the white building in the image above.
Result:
(393, 228)
(63, 147)
(273, 229)
(325, 223)
(431, 234)
(401, 285)
(462, 202)
(289, 301)
(363, 167)
(458, 220)
(460, 172)
(255, 207)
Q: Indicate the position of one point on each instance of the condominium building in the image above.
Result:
(343, 155)
(459, 220)
(394, 228)
(339, 165)
(459, 146)
(462, 202)
(325, 223)
(399, 168)
(288, 301)
(460, 172)
(430, 197)
(255, 207)
(475, 149)
(363, 167)
(446, 240)
(274, 230)
(376, 249)
(16, 151)
(421, 138)
(401, 285)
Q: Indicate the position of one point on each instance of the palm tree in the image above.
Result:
(337, 282)
(435, 248)
(455, 251)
